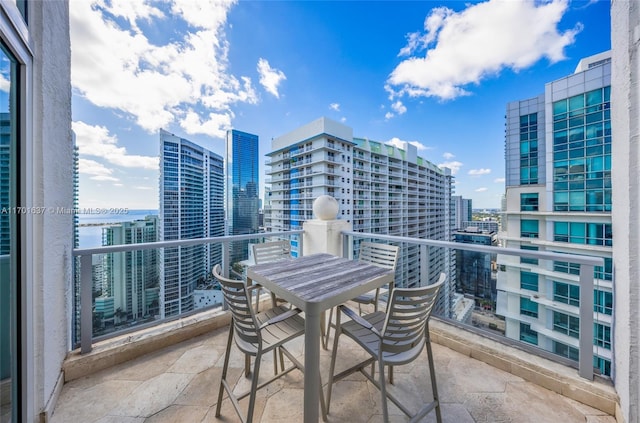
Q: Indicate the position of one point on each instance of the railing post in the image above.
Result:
(424, 263)
(225, 259)
(86, 308)
(585, 363)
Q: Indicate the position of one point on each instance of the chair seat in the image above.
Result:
(369, 297)
(275, 334)
(371, 342)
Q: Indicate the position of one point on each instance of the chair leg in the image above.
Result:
(432, 372)
(247, 365)
(325, 339)
(383, 391)
(224, 370)
(254, 387)
(334, 354)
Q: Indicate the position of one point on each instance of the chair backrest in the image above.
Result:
(237, 298)
(381, 255)
(267, 252)
(406, 322)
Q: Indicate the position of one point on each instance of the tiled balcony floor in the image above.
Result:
(180, 384)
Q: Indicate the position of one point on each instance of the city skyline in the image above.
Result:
(269, 78)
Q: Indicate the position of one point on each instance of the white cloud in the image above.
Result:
(97, 171)
(335, 107)
(480, 41)
(343, 119)
(116, 66)
(388, 115)
(270, 78)
(143, 188)
(499, 180)
(5, 83)
(96, 141)
(398, 107)
(395, 141)
(482, 189)
(448, 156)
(479, 172)
(453, 165)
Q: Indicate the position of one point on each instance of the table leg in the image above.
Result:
(311, 366)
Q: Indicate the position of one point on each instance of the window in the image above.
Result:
(527, 334)
(528, 260)
(602, 302)
(602, 336)
(529, 228)
(583, 233)
(528, 307)
(529, 149)
(565, 351)
(602, 364)
(569, 325)
(529, 202)
(528, 281)
(566, 293)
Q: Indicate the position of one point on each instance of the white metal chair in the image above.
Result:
(254, 335)
(267, 252)
(392, 338)
(382, 255)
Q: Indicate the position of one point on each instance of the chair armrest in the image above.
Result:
(359, 320)
(253, 286)
(281, 317)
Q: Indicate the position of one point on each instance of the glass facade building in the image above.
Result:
(558, 181)
(191, 206)
(242, 184)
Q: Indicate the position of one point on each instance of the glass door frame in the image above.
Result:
(14, 36)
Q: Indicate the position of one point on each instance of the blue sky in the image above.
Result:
(438, 74)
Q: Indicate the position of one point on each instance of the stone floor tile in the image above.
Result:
(196, 360)
(179, 413)
(153, 395)
(91, 403)
(120, 419)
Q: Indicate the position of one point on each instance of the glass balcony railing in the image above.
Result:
(551, 304)
(125, 288)
(548, 303)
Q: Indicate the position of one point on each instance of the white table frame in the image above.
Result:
(315, 284)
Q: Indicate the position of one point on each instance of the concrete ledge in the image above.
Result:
(599, 394)
(127, 347)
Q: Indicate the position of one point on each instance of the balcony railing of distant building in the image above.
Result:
(430, 264)
(87, 308)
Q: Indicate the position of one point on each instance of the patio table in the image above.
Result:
(315, 284)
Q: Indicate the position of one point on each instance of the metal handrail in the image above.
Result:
(586, 279)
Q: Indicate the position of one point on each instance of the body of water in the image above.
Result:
(90, 225)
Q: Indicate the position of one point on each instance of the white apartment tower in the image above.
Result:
(380, 188)
(558, 198)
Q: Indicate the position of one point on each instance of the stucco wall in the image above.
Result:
(52, 186)
(625, 20)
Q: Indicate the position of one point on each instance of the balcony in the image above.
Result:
(169, 369)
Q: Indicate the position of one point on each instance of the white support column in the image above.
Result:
(322, 234)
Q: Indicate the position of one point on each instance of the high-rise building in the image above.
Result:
(191, 206)
(132, 278)
(558, 196)
(475, 270)
(241, 192)
(379, 187)
(463, 211)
